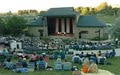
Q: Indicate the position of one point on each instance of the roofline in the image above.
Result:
(91, 26)
(59, 15)
(35, 25)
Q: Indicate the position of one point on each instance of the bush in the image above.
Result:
(66, 40)
(45, 38)
(97, 38)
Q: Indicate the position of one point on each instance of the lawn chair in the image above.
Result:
(58, 66)
(102, 61)
(94, 59)
(2, 59)
(41, 66)
(19, 65)
(67, 66)
(31, 66)
(77, 60)
(19, 68)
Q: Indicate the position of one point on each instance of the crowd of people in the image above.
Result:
(89, 62)
(36, 62)
(22, 64)
(61, 43)
(98, 58)
(73, 44)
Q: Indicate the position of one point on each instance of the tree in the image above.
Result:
(15, 25)
(2, 26)
(79, 9)
(118, 12)
(115, 10)
(92, 11)
(116, 29)
(85, 11)
(22, 12)
(42, 12)
(102, 6)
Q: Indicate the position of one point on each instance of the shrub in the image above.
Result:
(99, 39)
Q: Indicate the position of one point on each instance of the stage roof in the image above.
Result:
(37, 22)
(64, 11)
(89, 21)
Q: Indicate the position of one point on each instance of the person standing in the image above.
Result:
(34, 59)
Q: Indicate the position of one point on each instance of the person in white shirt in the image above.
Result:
(76, 56)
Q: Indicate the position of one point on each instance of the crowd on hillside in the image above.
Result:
(26, 63)
(38, 62)
(59, 44)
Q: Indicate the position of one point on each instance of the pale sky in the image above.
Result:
(14, 5)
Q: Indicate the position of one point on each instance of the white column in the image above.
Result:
(62, 25)
(73, 24)
(56, 26)
(67, 25)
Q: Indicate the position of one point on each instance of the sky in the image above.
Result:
(14, 5)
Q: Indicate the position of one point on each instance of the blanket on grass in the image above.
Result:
(101, 72)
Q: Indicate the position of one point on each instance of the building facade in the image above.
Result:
(67, 23)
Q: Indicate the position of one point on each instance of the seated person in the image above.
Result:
(87, 55)
(101, 59)
(24, 63)
(67, 65)
(76, 59)
(5, 52)
(62, 54)
(59, 59)
(58, 64)
(82, 55)
(85, 65)
(20, 59)
(112, 53)
(93, 54)
(94, 58)
(41, 62)
(19, 63)
(76, 72)
(9, 64)
(92, 67)
(21, 66)
(107, 54)
(99, 53)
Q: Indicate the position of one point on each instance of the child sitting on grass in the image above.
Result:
(76, 72)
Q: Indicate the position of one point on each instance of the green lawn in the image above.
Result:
(107, 19)
(114, 68)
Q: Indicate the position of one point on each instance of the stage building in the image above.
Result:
(65, 22)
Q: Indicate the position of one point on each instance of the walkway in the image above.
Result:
(95, 51)
(85, 51)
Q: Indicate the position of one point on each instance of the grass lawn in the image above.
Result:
(114, 68)
(107, 19)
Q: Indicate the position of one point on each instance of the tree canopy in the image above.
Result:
(21, 12)
(2, 26)
(116, 29)
(15, 25)
(103, 8)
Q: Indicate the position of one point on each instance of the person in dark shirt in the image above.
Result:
(24, 63)
(112, 53)
(41, 63)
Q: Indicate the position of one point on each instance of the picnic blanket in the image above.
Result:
(101, 72)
